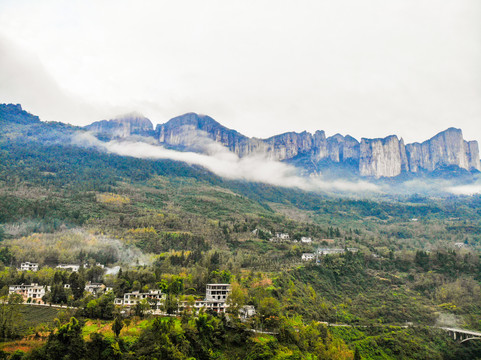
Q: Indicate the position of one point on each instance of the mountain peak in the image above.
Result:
(199, 121)
(123, 126)
(15, 114)
(379, 157)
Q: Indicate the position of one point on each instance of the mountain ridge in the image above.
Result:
(310, 153)
(377, 157)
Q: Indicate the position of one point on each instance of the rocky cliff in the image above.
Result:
(123, 126)
(192, 130)
(382, 157)
(444, 149)
(386, 157)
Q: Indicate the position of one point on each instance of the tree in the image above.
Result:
(67, 342)
(57, 294)
(6, 255)
(357, 354)
(269, 309)
(162, 340)
(97, 346)
(9, 316)
(117, 326)
(101, 308)
(77, 285)
(171, 305)
(236, 299)
(141, 307)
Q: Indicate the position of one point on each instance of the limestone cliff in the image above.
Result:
(472, 151)
(123, 126)
(386, 157)
(382, 157)
(191, 130)
(445, 149)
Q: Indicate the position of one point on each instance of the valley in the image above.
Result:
(407, 264)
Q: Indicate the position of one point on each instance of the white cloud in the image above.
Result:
(369, 68)
(471, 189)
(222, 162)
(24, 80)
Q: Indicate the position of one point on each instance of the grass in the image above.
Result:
(34, 316)
(105, 328)
(26, 344)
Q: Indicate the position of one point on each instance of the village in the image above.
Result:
(152, 301)
(318, 252)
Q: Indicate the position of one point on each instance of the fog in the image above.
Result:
(365, 68)
(222, 162)
(470, 189)
(258, 168)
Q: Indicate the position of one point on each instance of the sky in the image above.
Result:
(366, 68)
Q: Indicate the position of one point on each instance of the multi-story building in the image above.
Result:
(282, 236)
(71, 267)
(28, 266)
(308, 257)
(34, 292)
(332, 251)
(155, 298)
(217, 292)
(247, 311)
(95, 288)
(215, 298)
(306, 240)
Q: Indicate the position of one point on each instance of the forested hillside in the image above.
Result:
(406, 266)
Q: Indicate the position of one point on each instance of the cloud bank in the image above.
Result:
(258, 168)
(222, 162)
(471, 189)
(368, 69)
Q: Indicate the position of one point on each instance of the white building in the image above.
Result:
(306, 240)
(28, 266)
(332, 251)
(95, 288)
(247, 311)
(33, 291)
(308, 257)
(217, 292)
(280, 237)
(155, 298)
(215, 298)
(71, 267)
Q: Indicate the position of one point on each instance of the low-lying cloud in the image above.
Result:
(258, 168)
(222, 162)
(471, 189)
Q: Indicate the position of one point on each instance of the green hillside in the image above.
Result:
(415, 262)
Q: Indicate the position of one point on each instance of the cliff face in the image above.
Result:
(382, 157)
(472, 151)
(386, 157)
(190, 129)
(336, 148)
(15, 114)
(446, 148)
(123, 126)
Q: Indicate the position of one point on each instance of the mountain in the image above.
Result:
(387, 157)
(13, 113)
(123, 126)
(191, 130)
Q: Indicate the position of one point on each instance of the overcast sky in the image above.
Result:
(366, 68)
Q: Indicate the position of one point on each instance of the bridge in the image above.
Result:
(461, 334)
(458, 334)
